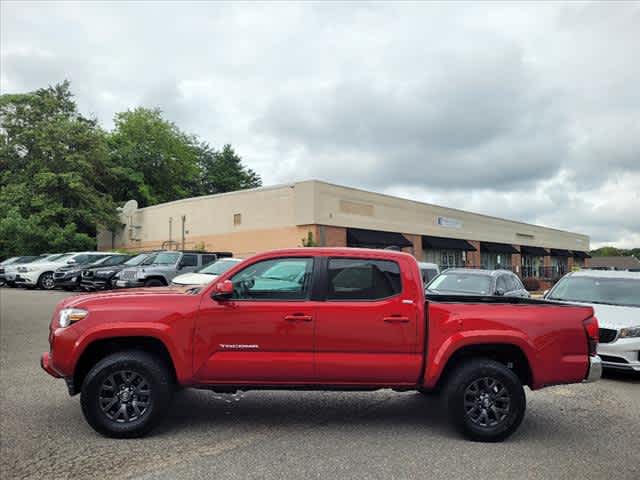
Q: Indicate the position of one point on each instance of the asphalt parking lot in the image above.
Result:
(576, 431)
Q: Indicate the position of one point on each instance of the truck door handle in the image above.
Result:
(396, 319)
(298, 317)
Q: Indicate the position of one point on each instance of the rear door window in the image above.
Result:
(189, 260)
(207, 259)
(362, 279)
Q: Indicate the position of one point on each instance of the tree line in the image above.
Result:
(615, 252)
(62, 175)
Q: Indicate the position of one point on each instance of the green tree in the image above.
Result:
(223, 171)
(54, 176)
(153, 160)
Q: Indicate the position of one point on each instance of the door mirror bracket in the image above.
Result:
(223, 290)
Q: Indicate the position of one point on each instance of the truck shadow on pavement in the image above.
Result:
(282, 411)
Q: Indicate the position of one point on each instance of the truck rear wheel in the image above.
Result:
(126, 394)
(485, 399)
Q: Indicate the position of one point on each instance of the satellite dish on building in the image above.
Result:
(129, 208)
(127, 212)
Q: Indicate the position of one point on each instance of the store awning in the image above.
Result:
(358, 237)
(443, 243)
(558, 252)
(579, 254)
(533, 251)
(492, 247)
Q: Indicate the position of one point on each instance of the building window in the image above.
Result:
(495, 261)
(445, 258)
(237, 219)
(532, 266)
(559, 266)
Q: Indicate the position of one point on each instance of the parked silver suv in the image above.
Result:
(160, 268)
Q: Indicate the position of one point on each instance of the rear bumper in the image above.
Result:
(45, 363)
(595, 369)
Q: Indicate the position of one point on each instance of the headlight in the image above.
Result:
(630, 332)
(71, 315)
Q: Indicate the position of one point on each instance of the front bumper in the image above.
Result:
(595, 369)
(67, 282)
(95, 283)
(45, 363)
(26, 278)
(621, 354)
(129, 283)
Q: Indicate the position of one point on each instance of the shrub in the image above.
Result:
(531, 284)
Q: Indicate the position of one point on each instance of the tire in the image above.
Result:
(154, 282)
(45, 281)
(428, 393)
(145, 387)
(485, 400)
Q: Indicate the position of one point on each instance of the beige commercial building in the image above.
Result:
(250, 221)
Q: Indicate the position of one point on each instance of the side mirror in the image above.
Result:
(544, 294)
(500, 291)
(223, 290)
(71, 262)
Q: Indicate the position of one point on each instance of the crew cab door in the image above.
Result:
(264, 333)
(366, 329)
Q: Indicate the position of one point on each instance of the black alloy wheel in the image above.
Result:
(485, 400)
(126, 394)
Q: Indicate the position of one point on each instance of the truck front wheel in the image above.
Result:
(485, 400)
(126, 394)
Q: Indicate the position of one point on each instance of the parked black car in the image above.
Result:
(68, 277)
(100, 276)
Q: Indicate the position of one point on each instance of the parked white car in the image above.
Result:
(207, 274)
(40, 274)
(615, 298)
(429, 271)
(11, 271)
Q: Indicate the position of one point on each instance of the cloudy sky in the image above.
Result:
(524, 111)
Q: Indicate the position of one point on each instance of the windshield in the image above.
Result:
(51, 258)
(164, 258)
(611, 291)
(28, 259)
(428, 274)
(219, 267)
(461, 282)
(114, 260)
(58, 258)
(137, 260)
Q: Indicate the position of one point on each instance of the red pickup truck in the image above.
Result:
(316, 318)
